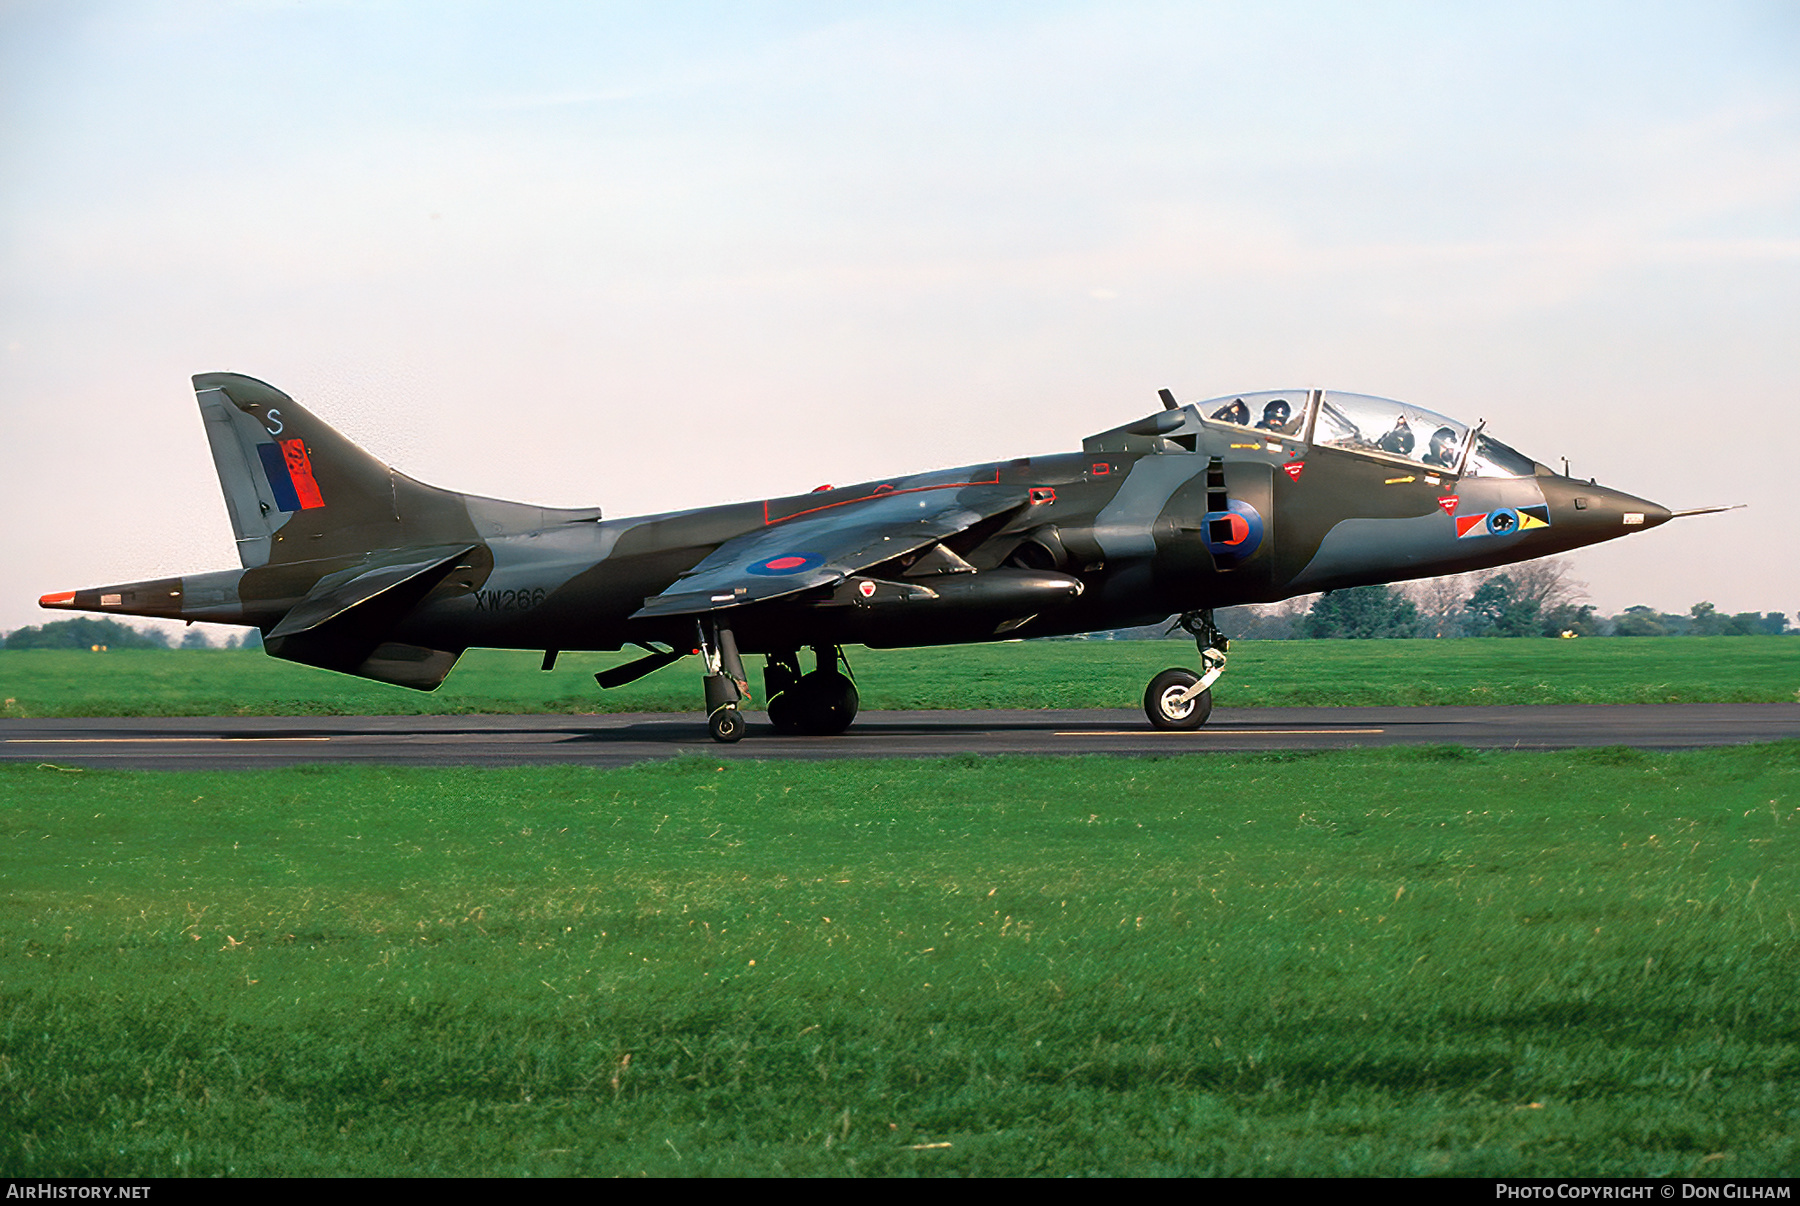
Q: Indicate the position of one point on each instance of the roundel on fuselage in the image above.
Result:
(1233, 534)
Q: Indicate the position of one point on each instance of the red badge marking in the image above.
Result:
(866, 589)
(781, 563)
(1448, 502)
(1468, 523)
(1294, 470)
(300, 469)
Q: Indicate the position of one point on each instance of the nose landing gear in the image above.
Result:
(1178, 699)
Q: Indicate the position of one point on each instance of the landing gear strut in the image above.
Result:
(820, 704)
(1178, 698)
(726, 685)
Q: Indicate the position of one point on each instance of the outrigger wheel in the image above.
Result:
(1178, 699)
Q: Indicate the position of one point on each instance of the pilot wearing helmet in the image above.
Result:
(1442, 451)
(1233, 412)
(1399, 440)
(1275, 417)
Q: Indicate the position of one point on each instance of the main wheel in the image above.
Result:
(1162, 701)
(821, 704)
(783, 713)
(727, 725)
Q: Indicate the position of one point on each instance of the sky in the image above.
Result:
(661, 255)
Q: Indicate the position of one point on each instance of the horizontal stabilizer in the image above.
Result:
(344, 621)
(336, 594)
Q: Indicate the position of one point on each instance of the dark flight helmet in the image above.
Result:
(1400, 439)
(1443, 446)
(1233, 412)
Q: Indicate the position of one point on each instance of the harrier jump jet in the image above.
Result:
(353, 566)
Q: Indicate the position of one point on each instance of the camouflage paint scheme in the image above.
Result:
(355, 567)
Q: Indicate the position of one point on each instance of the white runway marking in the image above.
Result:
(1205, 732)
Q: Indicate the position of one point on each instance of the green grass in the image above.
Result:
(1383, 962)
(1033, 674)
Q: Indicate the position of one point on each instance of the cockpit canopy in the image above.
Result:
(1379, 427)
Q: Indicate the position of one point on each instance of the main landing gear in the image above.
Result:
(1179, 699)
(820, 704)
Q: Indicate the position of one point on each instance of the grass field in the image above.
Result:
(1032, 674)
(1383, 962)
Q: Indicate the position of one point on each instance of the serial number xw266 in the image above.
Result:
(508, 600)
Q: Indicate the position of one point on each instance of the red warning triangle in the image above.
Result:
(1293, 470)
(1448, 502)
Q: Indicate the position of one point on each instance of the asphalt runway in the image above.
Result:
(213, 743)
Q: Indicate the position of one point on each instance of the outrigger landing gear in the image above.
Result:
(820, 704)
(1179, 698)
(726, 685)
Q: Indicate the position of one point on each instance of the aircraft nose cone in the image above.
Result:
(1598, 512)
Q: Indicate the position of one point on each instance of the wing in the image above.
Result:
(826, 546)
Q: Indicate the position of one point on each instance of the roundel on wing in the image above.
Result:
(1234, 533)
(786, 563)
(1503, 522)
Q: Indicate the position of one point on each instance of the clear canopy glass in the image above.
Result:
(1380, 427)
(1491, 458)
(1360, 423)
(1274, 411)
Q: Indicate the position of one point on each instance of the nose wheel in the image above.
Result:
(1170, 703)
(1179, 700)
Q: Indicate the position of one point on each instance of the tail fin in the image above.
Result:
(299, 491)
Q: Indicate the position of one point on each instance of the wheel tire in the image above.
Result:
(727, 725)
(826, 705)
(784, 713)
(1165, 713)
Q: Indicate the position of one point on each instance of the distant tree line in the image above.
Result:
(85, 633)
(1535, 599)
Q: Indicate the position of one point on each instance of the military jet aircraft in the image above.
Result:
(1251, 498)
